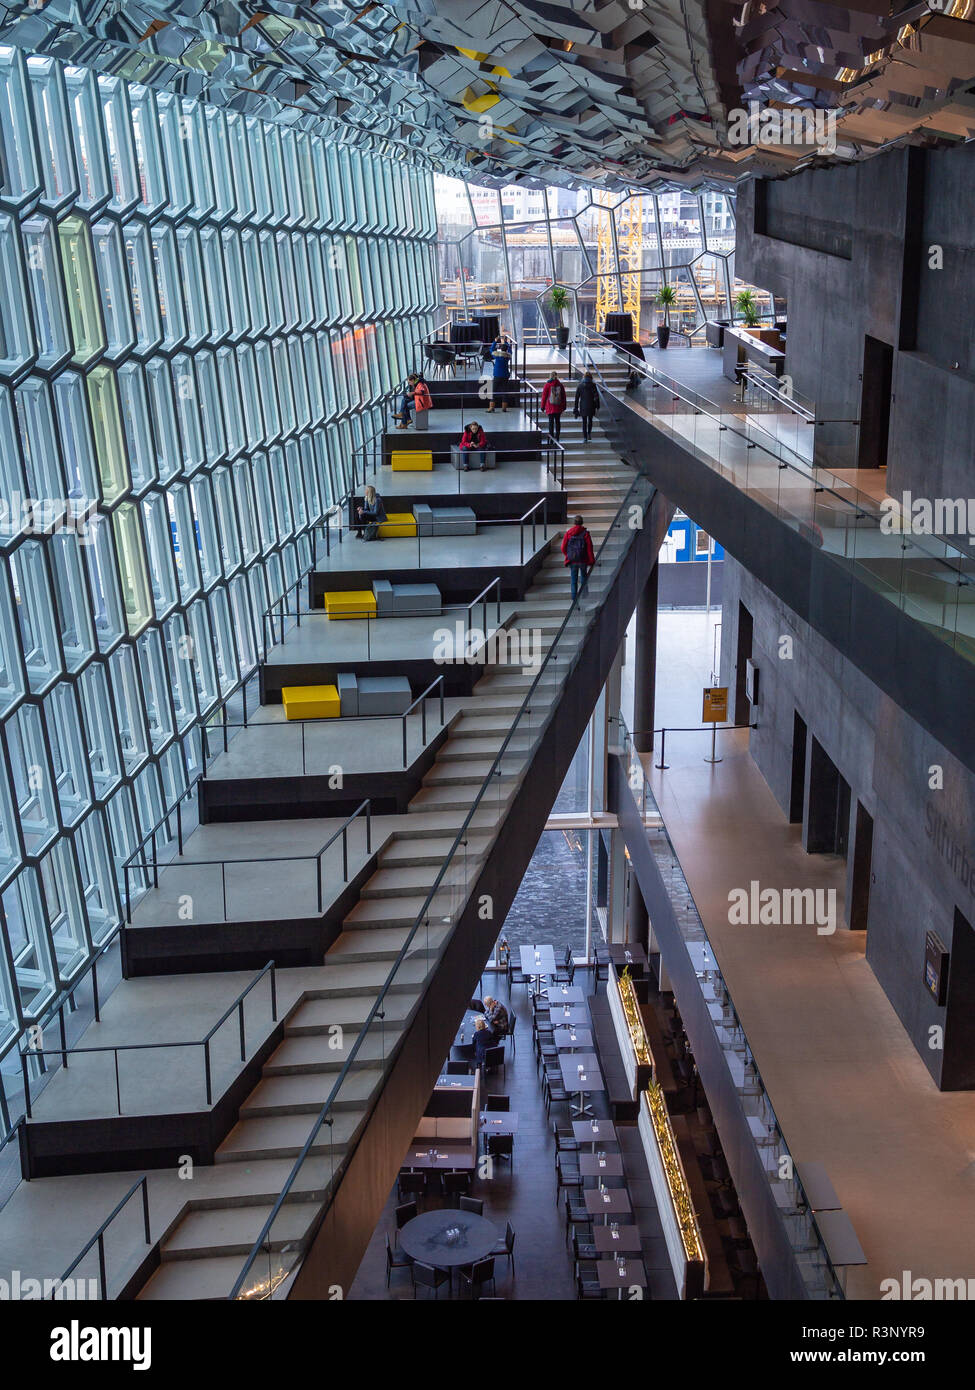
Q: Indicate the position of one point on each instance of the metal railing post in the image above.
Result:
(94, 988)
(206, 1071)
(240, 1020)
(345, 854)
(118, 1084)
(145, 1208)
(102, 1277)
(274, 993)
(663, 745)
(223, 884)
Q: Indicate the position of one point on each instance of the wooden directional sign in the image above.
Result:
(715, 704)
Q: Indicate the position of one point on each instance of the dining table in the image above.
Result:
(581, 1074)
(536, 963)
(624, 1275)
(607, 1202)
(568, 1016)
(615, 1239)
(573, 1039)
(448, 1238)
(566, 994)
(601, 1165)
(498, 1122)
(593, 1132)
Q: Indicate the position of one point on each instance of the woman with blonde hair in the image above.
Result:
(370, 514)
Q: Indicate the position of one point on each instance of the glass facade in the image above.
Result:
(202, 317)
(502, 250)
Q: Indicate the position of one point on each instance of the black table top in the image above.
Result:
(426, 1238)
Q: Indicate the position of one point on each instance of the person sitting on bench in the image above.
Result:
(371, 513)
(473, 445)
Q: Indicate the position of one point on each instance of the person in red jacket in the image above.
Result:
(473, 445)
(554, 401)
(422, 402)
(579, 555)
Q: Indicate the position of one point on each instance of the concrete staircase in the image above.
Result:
(203, 1251)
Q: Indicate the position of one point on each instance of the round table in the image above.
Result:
(425, 1238)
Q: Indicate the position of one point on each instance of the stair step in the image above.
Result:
(316, 1016)
(284, 1136)
(196, 1280)
(376, 944)
(313, 1055)
(407, 850)
(305, 1092)
(371, 914)
(233, 1231)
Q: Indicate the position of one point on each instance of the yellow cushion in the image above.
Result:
(310, 701)
(350, 603)
(412, 461)
(398, 524)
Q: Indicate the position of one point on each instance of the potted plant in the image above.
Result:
(558, 300)
(747, 307)
(667, 299)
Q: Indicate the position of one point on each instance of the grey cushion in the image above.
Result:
(457, 458)
(454, 521)
(383, 590)
(424, 519)
(384, 694)
(416, 598)
(348, 693)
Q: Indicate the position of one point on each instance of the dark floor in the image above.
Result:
(526, 1196)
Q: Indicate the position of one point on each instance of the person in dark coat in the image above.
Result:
(586, 404)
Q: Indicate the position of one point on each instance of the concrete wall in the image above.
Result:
(854, 252)
(887, 759)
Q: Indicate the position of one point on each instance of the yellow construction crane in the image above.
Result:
(629, 239)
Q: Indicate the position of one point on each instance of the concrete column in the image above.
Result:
(637, 918)
(616, 897)
(645, 663)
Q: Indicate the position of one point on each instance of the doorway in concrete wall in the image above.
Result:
(743, 706)
(861, 875)
(875, 387)
(797, 790)
(958, 1063)
(827, 817)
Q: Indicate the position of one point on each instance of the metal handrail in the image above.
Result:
(288, 858)
(99, 1239)
(747, 374)
(858, 511)
(116, 1048)
(151, 835)
(422, 916)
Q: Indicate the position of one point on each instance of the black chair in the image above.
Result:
(410, 1184)
(502, 1146)
(575, 1214)
(472, 1204)
(582, 1247)
(478, 1275)
(457, 1184)
(462, 1052)
(505, 1248)
(565, 1140)
(565, 974)
(494, 1060)
(587, 1283)
(512, 1025)
(555, 1092)
(429, 1278)
(567, 1176)
(476, 1006)
(458, 1069)
(442, 360)
(516, 976)
(396, 1259)
(498, 1103)
(405, 1213)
